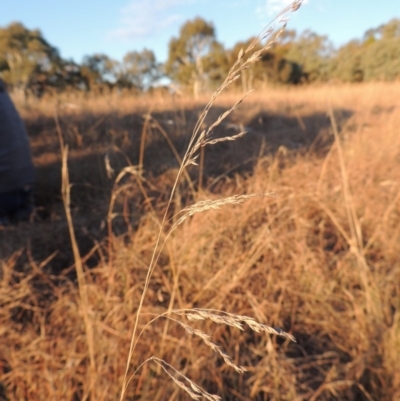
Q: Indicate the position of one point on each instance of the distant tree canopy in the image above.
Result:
(309, 50)
(99, 71)
(375, 57)
(193, 55)
(29, 63)
(197, 61)
(139, 69)
(272, 68)
(24, 54)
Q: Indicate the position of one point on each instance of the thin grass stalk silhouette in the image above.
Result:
(271, 33)
(66, 197)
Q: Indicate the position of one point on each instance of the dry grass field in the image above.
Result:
(321, 260)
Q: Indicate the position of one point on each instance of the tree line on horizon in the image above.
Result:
(198, 62)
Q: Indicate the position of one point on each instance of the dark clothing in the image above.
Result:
(16, 204)
(16, 167)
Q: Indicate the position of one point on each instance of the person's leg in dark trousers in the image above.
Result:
(15, 205)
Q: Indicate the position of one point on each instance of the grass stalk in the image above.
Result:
(84, 304)
(202, 139)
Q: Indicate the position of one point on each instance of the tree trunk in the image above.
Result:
(196, 88)
(198, 77)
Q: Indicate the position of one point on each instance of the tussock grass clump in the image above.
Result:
(320, 259)
(289, 261)
(200, 139)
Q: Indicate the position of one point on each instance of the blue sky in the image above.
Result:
(114, 27)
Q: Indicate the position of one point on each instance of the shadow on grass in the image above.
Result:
(92, 136)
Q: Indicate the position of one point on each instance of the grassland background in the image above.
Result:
(322, 260)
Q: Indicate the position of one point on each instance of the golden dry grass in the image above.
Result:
(321, 260)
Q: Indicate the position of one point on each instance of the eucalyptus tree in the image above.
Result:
(25, 53)
(100, 71)
(139, 69)
(190, 55)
